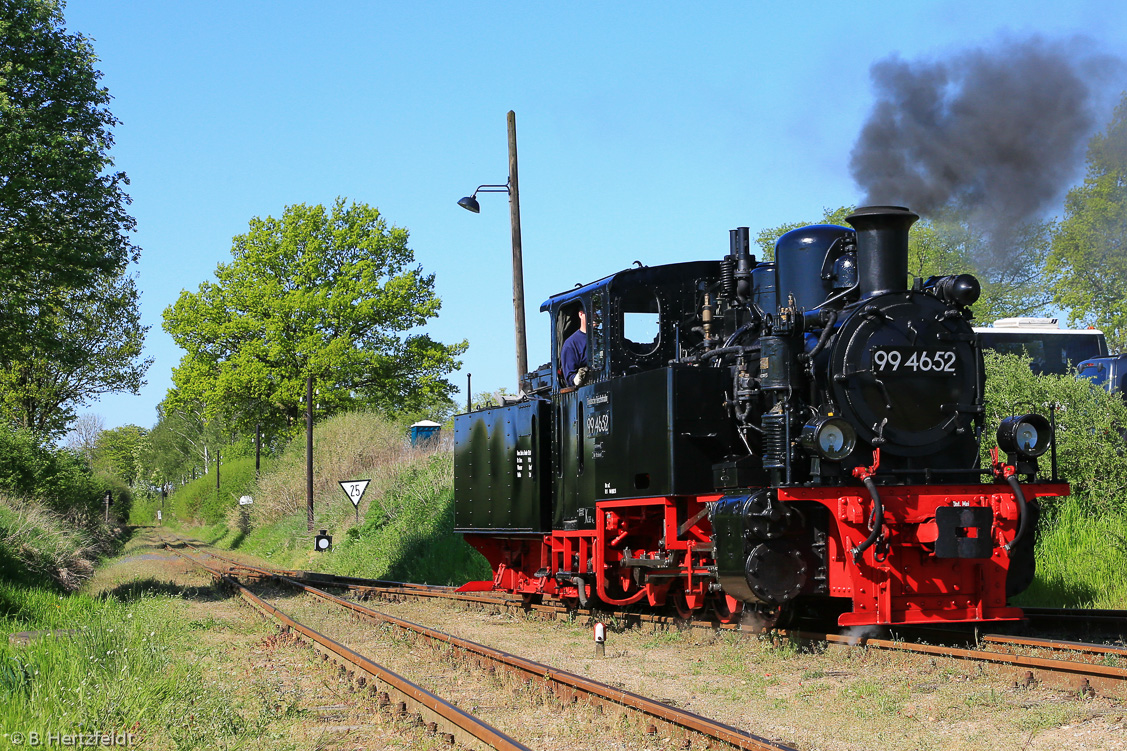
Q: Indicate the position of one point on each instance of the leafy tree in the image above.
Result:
(165, 457)
(325, 293)
(1088, 262)
(118, 451)
(63, 222)
(1012, 276)
(188, 429)
(40, 387)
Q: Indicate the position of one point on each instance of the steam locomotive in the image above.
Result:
(796, 435)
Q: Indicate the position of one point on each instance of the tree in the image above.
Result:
(117, 453)
(83, 435)
(63, 222)
(41, 386)
(331, 294)
(1012, 277)
(1088, 262)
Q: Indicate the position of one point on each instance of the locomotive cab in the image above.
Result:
(603, 445)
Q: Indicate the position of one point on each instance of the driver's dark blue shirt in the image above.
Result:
(573, 356)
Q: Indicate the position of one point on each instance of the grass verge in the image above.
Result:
(1081, 557)
(39, 547)
(104, 667)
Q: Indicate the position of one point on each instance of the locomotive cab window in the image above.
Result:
(571, 353)
(641, 321)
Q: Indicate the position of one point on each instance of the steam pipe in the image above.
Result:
(878, 520)
(1023, 511)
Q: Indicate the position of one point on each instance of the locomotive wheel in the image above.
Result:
(681, 606)
(724, 613)
(529, 599)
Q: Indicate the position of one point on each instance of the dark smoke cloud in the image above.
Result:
(1000, 131)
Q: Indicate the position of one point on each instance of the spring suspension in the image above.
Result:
(775, 438)
(728, 276)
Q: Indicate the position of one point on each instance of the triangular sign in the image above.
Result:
(354, 489)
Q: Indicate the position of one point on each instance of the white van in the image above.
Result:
(1051, 348)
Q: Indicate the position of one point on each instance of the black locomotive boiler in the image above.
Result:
(762, 435)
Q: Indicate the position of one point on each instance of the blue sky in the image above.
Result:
(645, 132)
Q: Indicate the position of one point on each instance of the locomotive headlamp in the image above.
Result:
(1026, 435)
(963, 289)
(831, 437)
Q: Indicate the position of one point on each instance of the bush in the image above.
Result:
(1091, 425)
(57, 478)
(199, 501)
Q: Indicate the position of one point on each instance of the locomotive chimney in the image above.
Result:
(882, 248)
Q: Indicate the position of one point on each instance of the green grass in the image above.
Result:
(40, 548)
(1081, 557)
(115, 670)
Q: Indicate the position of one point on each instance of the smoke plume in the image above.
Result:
(1001, 131)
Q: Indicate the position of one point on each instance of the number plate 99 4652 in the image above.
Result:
(914, 361)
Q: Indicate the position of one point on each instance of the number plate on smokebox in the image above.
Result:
(913, 361)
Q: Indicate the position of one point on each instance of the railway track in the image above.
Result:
(567, 688)
(456, 725)
(1081, 667)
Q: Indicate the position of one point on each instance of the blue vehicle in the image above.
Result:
(1109, 373)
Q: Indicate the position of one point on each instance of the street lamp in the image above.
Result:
(512, 188)
(469, 203)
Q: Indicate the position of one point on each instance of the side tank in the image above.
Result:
(502, 469)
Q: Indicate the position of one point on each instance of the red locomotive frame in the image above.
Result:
(897, 581)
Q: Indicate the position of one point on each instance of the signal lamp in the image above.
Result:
(1027, 436)
(831, 437)
(323, 542)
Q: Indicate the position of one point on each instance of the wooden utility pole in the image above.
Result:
(309, 452)
(518, 262)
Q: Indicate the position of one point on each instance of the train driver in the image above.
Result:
(573, 356)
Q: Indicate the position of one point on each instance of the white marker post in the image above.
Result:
(354, 489)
